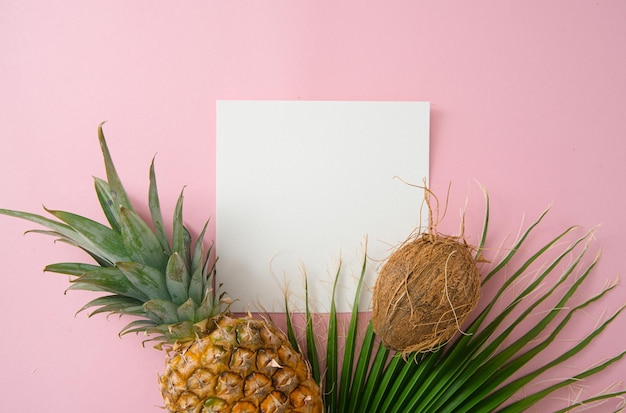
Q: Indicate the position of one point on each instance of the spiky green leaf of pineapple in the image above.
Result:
(135, 265)
(216, 363)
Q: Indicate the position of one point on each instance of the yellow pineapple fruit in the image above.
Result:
(242, 365)
(215, 362)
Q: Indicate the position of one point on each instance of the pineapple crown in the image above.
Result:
(168, 286)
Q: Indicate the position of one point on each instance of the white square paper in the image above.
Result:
(301, 184)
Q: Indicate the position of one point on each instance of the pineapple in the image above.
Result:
(215, 362)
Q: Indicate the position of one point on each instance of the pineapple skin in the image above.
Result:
(242, 365)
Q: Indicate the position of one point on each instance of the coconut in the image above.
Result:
(424, 292)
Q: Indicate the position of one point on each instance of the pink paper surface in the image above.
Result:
(527, 98)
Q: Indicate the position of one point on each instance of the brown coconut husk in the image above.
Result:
(424, 292)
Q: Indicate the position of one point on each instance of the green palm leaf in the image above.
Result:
(348, 356)
(332, 355)
(310, 336)
(476, 372)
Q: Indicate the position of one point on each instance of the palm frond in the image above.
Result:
(481, 370)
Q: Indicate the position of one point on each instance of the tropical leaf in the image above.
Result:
(291, 332)
(187, 310)
(478, 371)
(163, 310)
(350, 346)
(113, 304)
(138, 326)
(117, 191)
(141, 244)
(105, 198)
(71, 268)
(155, 211)
(332, 383)
(107, 279)
(178, 236)
(311, 346)
(146, 279)
(177, 279)
(94, 237)
(199, 276)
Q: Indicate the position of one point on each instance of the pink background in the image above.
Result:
(528, 97)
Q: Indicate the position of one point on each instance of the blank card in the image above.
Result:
(303, 187)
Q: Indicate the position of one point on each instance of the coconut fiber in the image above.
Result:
(424, 292)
